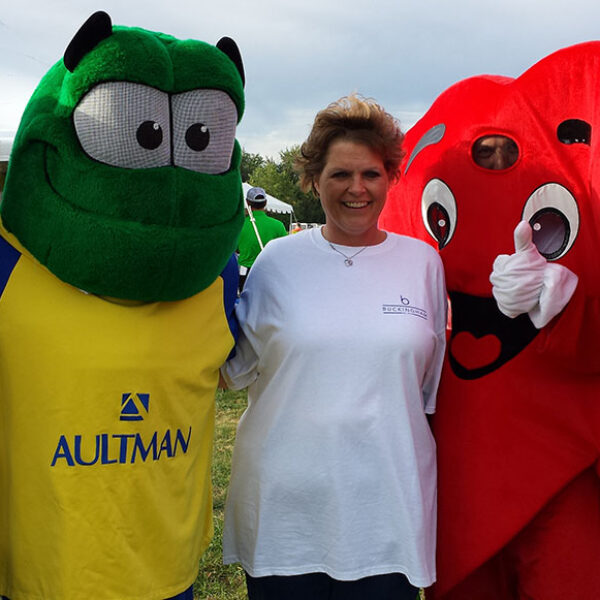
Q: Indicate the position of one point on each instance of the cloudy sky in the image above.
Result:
(300, 55)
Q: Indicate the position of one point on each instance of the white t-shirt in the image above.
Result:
(334, 463)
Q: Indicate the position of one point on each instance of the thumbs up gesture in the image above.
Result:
(523, 235)
(525, 282)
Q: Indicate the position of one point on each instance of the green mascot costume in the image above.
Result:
(122, 209)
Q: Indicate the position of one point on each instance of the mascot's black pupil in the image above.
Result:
(437, 217)
(149, 135)
(197, 137)
(551, 232)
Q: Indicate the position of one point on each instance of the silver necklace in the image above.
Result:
(347, 259)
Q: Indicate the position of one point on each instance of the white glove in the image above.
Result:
(524, 282)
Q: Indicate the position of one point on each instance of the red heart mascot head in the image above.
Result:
(448, 195)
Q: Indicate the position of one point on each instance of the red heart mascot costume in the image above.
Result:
(518, 421)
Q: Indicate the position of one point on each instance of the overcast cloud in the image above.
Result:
(299, 56)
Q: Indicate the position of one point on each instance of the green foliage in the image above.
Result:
(250, 162)
(279, 179)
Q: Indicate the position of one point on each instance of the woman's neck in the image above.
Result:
(370, 238)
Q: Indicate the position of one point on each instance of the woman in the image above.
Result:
(333, 491)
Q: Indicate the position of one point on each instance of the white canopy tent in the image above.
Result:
(273, 204)
(6, 142)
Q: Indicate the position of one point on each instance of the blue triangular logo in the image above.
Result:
(130, 410)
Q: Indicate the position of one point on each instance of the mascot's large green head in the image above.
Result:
(124, 177)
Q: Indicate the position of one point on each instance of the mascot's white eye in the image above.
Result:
(204, 124)
(554, 217)
(125, 125)
(438, 208)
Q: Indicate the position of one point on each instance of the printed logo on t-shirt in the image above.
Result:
(87, 449)
(133, 405)
(404, 308)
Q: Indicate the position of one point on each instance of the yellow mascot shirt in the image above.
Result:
(106, 430)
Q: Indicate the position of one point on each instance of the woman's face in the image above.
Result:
(352, 187)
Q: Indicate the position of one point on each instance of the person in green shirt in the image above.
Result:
(258, 229)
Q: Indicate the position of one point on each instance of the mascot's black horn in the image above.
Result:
(227, 45)
(97, 28)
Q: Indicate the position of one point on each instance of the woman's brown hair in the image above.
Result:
(354, 119)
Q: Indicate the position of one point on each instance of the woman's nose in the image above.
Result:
(357, 185)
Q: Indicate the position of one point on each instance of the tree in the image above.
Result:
(250, 162)
(281, 180)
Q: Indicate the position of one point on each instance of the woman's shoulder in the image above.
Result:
(291, 241)
(283, 248)
(415, 246)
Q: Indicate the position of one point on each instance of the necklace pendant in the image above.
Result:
(347, 259)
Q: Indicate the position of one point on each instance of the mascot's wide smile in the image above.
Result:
(482, 338)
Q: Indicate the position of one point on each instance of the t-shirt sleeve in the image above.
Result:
(255, 313)
(240, 370)
(230, 276)
(440, 314)
(9, 257)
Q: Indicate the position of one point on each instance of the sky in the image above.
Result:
(301, 55)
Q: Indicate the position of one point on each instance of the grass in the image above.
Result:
(217, 581)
